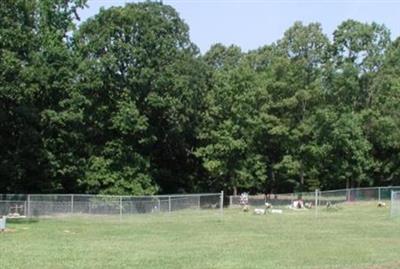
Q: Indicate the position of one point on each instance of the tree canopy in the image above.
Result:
(124, 103)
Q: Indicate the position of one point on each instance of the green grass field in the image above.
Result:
(357, 236)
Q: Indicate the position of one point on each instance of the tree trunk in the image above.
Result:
(273, 189)
(301, 178)
(270, 184)
(234, 191)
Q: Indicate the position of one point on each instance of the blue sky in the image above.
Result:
(253, 23)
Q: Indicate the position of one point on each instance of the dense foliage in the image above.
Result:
(125, 103)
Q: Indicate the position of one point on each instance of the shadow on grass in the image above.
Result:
(23, 221)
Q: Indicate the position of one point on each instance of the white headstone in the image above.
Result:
(2, 223)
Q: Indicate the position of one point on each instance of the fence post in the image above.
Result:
(379, 194)
(221, 203)
(169, 204)
(199, 205)
(120, 208)
(391, 203)
(230, 201)
(25, 208)
(29, 205)
(316, 202)
(72, 204)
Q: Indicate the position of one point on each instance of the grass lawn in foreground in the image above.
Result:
(356, 236)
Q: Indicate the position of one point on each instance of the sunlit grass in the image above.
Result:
(355, 236)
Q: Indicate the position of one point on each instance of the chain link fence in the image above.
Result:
(41, 205)
(276, 200)
(319, 198)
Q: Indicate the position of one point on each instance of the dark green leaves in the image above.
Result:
(124, 104)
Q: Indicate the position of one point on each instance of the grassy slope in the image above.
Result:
(355, 237)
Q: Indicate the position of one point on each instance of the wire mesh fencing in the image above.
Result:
(41, 205)
(319, 199)
(280, 200)
(13, 204)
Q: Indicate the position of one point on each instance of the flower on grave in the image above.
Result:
(244, 199)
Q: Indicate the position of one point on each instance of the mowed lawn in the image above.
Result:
(356, 236)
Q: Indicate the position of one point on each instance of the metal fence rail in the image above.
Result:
(39, 205)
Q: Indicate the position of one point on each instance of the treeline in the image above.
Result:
(124, 103)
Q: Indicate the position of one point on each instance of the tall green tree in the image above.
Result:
(357, 54)
(34, 70)
(297, 94)
(144, 85)
(381, 120)
(227, 132)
